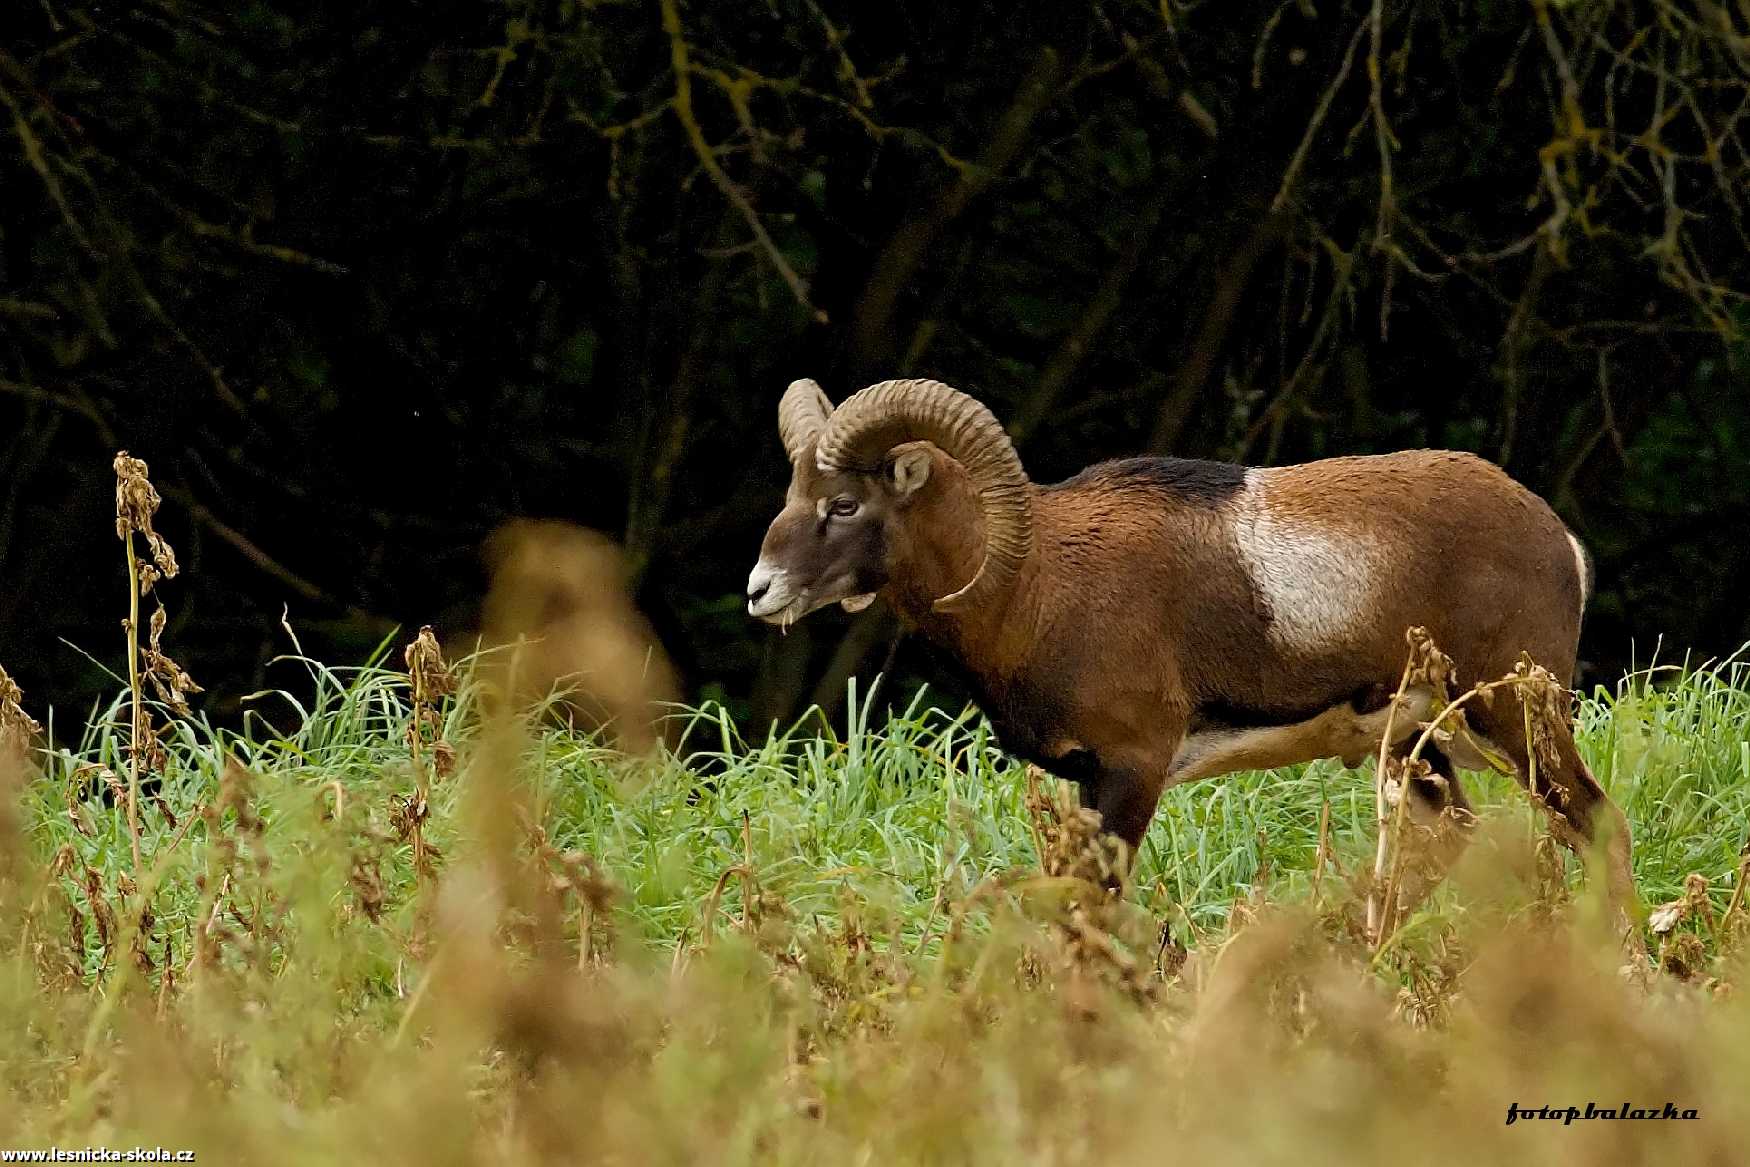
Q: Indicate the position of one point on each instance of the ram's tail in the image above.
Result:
(1588, 575)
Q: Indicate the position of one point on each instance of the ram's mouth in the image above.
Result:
(805, 603)
(787, 615)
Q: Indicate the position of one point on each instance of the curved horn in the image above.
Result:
(802, 415)
(874, 420)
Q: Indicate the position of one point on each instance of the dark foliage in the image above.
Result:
(363, 280)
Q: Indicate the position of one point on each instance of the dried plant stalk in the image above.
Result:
(1073, 847)
(431, 680)
(561, 609)
(232, 826)
(16, 726)
(1426, 667)
(136, 508)
(136, 502)
(16, 731)
(1541, 697)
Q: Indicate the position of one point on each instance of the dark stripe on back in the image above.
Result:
(1191, 479)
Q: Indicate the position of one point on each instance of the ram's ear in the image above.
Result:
(908, 469)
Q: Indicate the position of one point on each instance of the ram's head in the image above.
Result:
(859, 475)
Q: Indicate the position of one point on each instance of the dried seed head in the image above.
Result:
(169, 679)
(16, 726)
(431, 679)
(431, 676)
(366, 880)
(1684, 956)
(101, 913)
(585, 878)
(1428, 665)
(236, 790)
(136, 502)
(407, 813)
(1072, 846)
(73, 793)
(1546, 703)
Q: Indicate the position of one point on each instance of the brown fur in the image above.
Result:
(1137, 621)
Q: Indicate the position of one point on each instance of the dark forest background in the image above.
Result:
(362, 280)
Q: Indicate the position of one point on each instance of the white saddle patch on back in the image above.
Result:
(1319, 584)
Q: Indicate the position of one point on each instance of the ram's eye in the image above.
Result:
(843, 508)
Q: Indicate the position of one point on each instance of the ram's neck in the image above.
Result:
(939, 553)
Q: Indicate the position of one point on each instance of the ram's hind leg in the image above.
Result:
(1580, 813)
(1342, 731)
(1440, 826)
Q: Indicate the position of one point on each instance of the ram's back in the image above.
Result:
(1314, 571)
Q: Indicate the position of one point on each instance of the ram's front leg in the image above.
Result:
(1120, 767)
(1124, 812)
(1122, 802)
(1126, 803)
(1125, 788)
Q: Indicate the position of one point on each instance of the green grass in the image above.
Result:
(898, 812)
(880, 943)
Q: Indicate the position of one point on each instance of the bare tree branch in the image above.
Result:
(683, 111)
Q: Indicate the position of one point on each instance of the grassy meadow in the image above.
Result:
(400, 927)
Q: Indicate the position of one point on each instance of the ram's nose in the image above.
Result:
(766, 592)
